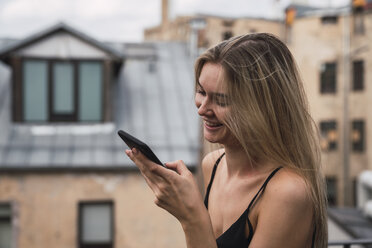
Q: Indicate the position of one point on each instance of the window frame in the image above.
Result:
(358, 85)
(329, 19)
(8, 219)
(227, 35)
(80, 224)
(52, 117)
(325, 126)
(332, 198)
(360, 146)
(328, 86)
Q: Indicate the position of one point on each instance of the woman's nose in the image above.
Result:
(203, 107)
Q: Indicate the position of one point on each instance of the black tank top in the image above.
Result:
(235, 237)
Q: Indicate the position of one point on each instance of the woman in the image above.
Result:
(265, 187)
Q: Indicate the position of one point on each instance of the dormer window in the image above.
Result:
(61, 75)
(62, 91)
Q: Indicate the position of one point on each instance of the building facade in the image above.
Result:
(332, 49)
(65, 180)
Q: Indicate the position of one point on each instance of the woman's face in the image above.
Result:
(212, 103)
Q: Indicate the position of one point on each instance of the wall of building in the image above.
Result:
(214, 30)
(45, 209)
(314, 43)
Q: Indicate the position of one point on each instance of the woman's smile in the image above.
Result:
(212, 125)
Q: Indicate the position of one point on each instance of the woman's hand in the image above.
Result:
(176, 191)
(174, 187)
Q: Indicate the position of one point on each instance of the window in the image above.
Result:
(357, 136)
(96, 225)
(328, 78)
(90, 90)
(227, 35)
(358, 17)
(62, 91)
(328, 130)
(331, 191)
(359, 26)
(329, 19)
(358, 75)
(228, 23)
(5, 226)
(35, 90)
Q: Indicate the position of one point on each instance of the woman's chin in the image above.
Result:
(212, 138)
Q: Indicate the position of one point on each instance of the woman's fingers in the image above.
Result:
(141, 161)
(149, 169)
(178, 166)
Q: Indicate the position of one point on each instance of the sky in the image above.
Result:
(125, 20)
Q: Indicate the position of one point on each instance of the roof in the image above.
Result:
(353, 221)
(60, 27)
(153, 100)
(306, 10)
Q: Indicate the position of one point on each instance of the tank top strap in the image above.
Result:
(211, 180)
(263, 187)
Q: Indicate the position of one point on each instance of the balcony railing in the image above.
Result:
(349, 243)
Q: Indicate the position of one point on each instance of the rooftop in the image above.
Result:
(152, 99)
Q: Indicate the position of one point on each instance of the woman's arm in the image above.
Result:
(176, 191)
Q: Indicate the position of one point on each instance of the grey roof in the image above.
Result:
(353, 221)
(153, 100)
(306, 10)
(12, 46)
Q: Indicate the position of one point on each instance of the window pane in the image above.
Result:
(4, 210)
(5, 234)
(358, 75)
(5, 226)
(96, 223)
(63, 88)
(35, 90)
(329, 137)
(331, 190)
(328, 78)
(90, 91)
(357, 136)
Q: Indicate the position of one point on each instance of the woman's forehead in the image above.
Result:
(212, 77)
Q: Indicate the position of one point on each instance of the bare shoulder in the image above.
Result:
(290, 188)
(208, 162)
(286, 203)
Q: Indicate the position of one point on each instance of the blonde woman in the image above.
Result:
(264, 189)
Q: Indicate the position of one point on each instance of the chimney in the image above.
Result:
(164, 12)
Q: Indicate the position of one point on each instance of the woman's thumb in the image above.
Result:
(178, 166)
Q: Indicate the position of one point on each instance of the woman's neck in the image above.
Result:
(240, 165)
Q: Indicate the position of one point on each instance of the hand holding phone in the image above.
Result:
(133, 142)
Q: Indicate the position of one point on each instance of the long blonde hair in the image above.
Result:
(269, 112)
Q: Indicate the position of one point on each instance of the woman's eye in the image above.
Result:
(221, 103)
(201, 92)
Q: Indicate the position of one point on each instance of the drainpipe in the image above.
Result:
(346, 89)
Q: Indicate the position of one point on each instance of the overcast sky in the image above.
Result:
(124, 20)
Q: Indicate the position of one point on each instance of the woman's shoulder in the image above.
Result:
(209, 161)
(289, 188)
(286, 203)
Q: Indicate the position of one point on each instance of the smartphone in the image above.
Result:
(133, 142)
